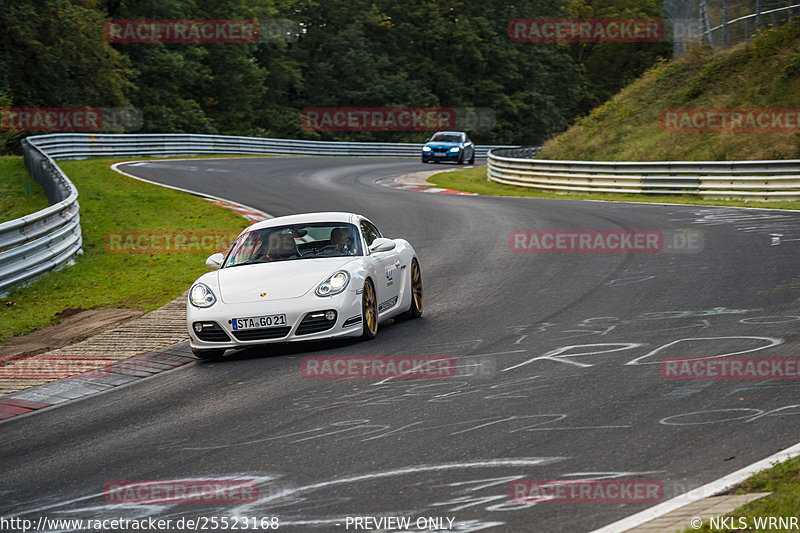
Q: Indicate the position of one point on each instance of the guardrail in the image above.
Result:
(743, 180)
(79, 145)
(36, 243)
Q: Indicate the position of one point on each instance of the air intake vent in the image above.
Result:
(210, 332)
(316, 322)
(261, 334)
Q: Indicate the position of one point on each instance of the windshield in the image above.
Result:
(446, 138)
(299, 241)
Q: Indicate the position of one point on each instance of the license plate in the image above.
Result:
(439, 154)
(255, 322)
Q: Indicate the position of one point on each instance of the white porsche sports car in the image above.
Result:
(299, 278)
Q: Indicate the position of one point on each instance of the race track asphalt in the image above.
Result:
(595, 406)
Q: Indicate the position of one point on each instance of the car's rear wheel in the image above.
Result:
(369, 310)
(208, 354)
(415, 311)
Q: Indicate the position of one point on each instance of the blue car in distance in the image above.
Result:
(449, 146)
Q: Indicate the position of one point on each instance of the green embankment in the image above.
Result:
(764, 74)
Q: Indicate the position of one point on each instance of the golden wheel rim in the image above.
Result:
(370, 309)
(416, 285)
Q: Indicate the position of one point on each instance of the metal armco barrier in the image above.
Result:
(78, 145)
(742, 180)
(34, 244)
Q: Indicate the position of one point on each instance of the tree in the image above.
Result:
(610, 66)
(54, 54)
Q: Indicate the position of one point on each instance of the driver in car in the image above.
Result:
(281, 246)
(340, 238)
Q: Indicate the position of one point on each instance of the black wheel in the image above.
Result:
(208, 354)
(461, 158)
(472, 159)
(369, 310)
(424, 160)
(415, 311)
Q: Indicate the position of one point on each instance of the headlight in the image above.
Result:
(426, 148)
(455, 149)
(334, 284)
(201, 296)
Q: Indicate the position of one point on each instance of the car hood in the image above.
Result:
(276, 281)
(442, 145)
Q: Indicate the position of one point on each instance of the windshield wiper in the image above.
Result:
(265, 260)
(249, 262)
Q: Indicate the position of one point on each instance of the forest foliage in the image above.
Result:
(353, 53)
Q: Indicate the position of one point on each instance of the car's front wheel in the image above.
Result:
(369, 310)
(208, 354)
(415, 311)
(472, 158)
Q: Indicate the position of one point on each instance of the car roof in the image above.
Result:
(454, 132)
(305, 218)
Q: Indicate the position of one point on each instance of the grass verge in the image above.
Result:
(474, 180)
(113, 204)
(15, 202)
(783, 480)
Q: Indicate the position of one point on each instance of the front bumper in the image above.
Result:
(434, 155)
(217, 321)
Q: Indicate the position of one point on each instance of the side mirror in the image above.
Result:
(382, 245)
(215, 260)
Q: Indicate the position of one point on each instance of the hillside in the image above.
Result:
(761, 75)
